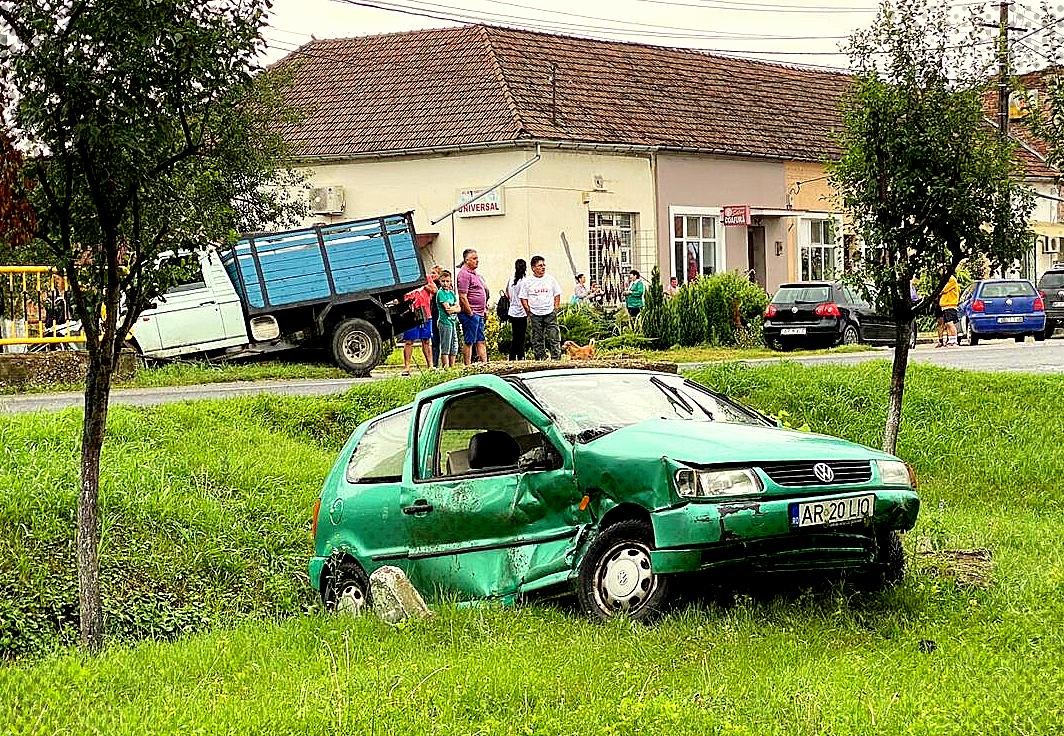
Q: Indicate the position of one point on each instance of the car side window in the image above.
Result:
(480, 432)
(381, 453)
(183, 273)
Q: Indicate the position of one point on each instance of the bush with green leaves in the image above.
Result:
(656, 318)
(723, 309)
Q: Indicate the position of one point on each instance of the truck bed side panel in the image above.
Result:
(295, 267)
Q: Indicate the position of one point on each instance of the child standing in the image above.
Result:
(448, 302)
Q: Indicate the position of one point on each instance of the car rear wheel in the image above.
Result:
(1020, 338)
(615, 577)
(346, 589)
(969, 333)
(356, 346)
(1039, 336)
(851, 335)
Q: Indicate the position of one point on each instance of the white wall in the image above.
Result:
(550, 198)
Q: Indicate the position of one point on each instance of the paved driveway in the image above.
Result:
(1030, 357)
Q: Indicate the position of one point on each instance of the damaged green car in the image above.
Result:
(606, 483)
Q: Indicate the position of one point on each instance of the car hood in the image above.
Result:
(720, 442)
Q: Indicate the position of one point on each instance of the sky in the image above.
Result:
(791, 31)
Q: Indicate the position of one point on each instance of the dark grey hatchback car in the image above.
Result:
(1051, 286)
(823, 313)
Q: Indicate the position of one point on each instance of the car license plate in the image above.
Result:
(1009, 320)
(792, 331)
(1058, 304)
(833, 511)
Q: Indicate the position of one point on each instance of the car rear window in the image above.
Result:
(1052, 280)
(802, 295)
(1004, 289)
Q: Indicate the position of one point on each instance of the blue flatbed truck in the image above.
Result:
(339, 286)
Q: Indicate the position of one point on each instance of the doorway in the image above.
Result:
(755, 253)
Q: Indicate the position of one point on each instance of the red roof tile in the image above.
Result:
(482, 84)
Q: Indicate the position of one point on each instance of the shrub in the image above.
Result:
(655, 317)
(581, 322)
(723, 309)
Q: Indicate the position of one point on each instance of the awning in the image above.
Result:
(424, 240)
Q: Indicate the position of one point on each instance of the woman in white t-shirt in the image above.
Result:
(516, 313)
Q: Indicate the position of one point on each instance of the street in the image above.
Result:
(999, 355)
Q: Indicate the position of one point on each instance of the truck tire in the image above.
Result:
(356, 346)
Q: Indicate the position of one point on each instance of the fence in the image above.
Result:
(35, 311)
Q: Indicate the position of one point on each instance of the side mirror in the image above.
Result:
(539, 458)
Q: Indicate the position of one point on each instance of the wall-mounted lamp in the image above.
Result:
(779, 248)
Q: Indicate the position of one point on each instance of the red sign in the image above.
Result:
(738, 214)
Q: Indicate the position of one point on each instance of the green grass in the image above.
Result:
(206, 509)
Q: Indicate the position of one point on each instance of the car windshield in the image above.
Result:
(802, 295)
(1004, 289)
(1052, 280)
(589, 405)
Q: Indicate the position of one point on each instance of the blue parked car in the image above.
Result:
(1001, 308)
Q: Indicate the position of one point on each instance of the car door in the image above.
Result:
(364, 513)
(186, 317)
(863, 314)
(491, 502)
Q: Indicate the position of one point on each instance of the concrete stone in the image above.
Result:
(394, 597)
(22, 370)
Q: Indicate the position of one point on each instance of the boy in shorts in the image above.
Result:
(447, 324)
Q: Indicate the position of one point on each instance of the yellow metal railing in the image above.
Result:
(33, 303)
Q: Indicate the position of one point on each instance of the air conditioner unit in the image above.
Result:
(1050, 245)
(327, 200)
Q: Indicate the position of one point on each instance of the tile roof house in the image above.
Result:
(482, 85)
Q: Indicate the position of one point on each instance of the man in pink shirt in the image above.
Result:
(473, 299)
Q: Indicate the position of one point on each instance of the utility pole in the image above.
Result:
(1003, 67)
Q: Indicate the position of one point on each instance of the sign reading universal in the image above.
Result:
(490, 204)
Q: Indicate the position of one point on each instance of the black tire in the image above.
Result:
(850, 335)
(1051, 327)
(356, 346)
(615, 577)
(888, 568)
(346, 589)
(1020, 338)
(1039, 336)
(969, 334)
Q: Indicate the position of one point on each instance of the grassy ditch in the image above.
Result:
(206, 510)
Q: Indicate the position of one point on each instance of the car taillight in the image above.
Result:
(314, 519)
(830, 309)
(771, 311)
(1039, 304)
(978, 306)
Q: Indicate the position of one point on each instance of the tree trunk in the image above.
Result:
(902, 332)
(97, 394)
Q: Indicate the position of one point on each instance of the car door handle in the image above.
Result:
(205, 304)
(421, 506)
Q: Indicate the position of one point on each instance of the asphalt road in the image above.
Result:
(1030, 357)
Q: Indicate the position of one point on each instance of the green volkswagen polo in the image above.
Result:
(606, 483)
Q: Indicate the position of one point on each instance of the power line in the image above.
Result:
(428, 10)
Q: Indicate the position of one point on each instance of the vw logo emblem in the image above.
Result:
(824, 472)
(1008, 302)
(794, 310)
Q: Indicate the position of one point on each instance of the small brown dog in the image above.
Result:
(575, 352)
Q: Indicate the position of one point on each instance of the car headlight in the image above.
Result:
(896, 473)
(717, 483)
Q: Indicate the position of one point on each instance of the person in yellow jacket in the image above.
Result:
(947, 313)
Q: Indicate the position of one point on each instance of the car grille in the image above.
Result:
(803, 474)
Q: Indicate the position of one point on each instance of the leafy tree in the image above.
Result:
(17, 222)
(146, 130)
(927, 181)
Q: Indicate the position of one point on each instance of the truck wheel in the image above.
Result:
(356, 346)
(346, 589)
(615, 577)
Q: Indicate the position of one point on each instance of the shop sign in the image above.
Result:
(735, 215)
(490, 204)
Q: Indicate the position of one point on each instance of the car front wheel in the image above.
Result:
(888, 567)
(615, 577)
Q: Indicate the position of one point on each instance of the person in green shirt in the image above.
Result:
(448, 302)
(633, 295)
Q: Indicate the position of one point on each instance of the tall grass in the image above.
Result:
(209, 503)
